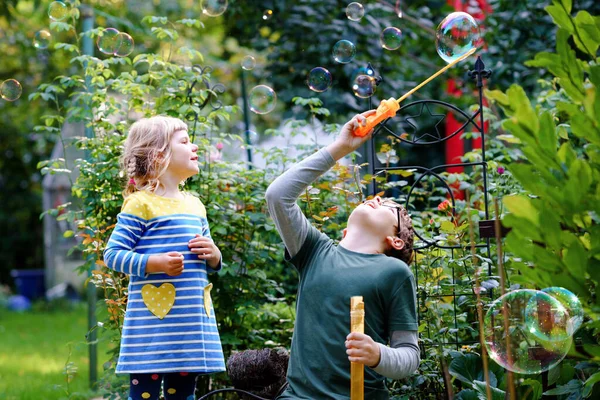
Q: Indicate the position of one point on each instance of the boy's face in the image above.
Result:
(375, 217)
(184, 157)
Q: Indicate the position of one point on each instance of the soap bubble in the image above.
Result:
(456, 35)
(262, 99)
(508, 336)
(57, 11)
(126, 45)
(251, 136)
(10, 90)
(355, 11)
(41, 40)
(391, 38)
(344, 51)
(571, 304)
(214, 8)
(110, 41)
(319, 79)
(364, 86)
(267, 14)
(248, 63)
(361, 71)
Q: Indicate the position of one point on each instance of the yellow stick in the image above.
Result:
(357, 371)
(441, 71)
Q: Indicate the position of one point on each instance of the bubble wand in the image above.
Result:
(388, 108)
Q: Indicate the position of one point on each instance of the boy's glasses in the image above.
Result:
(398, 208)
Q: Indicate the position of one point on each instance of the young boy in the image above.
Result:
(370, 261)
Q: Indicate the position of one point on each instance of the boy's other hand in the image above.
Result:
(362, 349)
(206, 249)
(347, 142)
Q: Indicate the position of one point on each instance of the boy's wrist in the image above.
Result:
(338, 150)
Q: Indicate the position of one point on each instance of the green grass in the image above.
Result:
(34, 348)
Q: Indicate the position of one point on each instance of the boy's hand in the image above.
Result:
(170, 263)
(362, 349)
(346, 142)
(206, 249)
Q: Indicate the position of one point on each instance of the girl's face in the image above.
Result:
(184, 160)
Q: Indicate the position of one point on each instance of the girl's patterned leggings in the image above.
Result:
(177, 386)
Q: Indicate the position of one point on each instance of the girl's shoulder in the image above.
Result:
(135, 204)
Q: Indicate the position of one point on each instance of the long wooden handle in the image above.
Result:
(357, 371)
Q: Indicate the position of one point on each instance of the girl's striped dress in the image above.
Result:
(169, 323)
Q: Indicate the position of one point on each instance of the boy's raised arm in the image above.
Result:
(283, 192)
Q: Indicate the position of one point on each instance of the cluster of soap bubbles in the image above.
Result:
(457, 34)
(530, 331)
(115, 43)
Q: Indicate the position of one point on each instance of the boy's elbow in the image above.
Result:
(270, 195)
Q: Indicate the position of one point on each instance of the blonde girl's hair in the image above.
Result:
(147, 152)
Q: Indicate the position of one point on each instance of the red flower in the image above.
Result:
(444, 205)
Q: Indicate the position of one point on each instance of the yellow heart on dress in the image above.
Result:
(207, 300)
(159, 300)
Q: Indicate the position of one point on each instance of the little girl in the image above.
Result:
(162, 241)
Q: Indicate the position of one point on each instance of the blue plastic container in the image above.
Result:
(29, 282)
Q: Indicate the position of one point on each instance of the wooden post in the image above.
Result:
(357, 371)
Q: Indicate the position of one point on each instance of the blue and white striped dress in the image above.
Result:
(186, 338)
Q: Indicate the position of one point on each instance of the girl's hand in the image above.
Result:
(170, 263)
(362, 349)
(346, 142)
(206, 249)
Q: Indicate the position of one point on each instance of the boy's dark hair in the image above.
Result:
(260, 372)
(407, 234)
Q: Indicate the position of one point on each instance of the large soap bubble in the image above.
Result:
(10, 90)
(248, 63)
(355, 11)
(262, 99)
(344, 51)
(391, 38)
(319, 79)
(41, 39)
(126, 45)
(510, 336)
(214, 8)
(110, 41)
(57, 11)
(364, 86)
(456, 35)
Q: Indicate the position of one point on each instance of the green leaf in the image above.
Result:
(466, 394)
(587, 37)
(521, 206)
(573, 386)
(589, 384)
(560, 16)
(447, 227)
(575, 259)
(536, 388)
(508, 139)
(547, 133)
(497, 394)
(466, 367)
